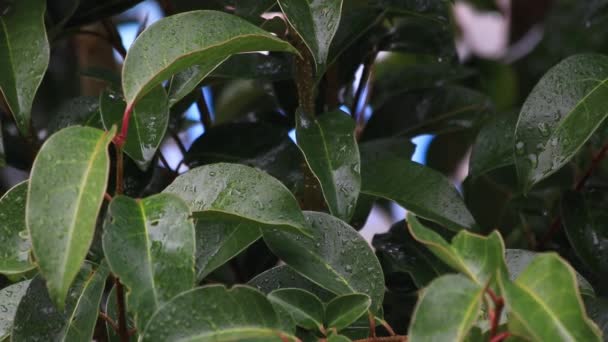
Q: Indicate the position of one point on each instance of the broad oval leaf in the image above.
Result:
(38, 319)
(149, 245)
(330, 148)
(551, 302)
(446, 310)
(148, 124)
(214, 313)
(237, 192)
(219, 241)
(10, 297)
(561, 113)
(422, 190)
(184, 40)
(345, 310)
(336, 258)
(66, 189)
(305, 308)
(478, 257)
(15, 244)
(316, 22)
(493, 147)
(25, 54)
(282, 277)
(83, 111)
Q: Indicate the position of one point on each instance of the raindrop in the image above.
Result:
(519, 147)
(533, 158)
(212, 173)
(543, 129)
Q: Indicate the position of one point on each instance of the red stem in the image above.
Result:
(120, 139)
(500, 337)
(495, 313)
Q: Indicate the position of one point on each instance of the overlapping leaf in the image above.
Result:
(306, 309)
(345, 310)
(15, 242)
(10, 297)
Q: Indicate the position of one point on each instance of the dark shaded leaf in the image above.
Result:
(304, 307)
(282, 277)
(494, 145)
(345, 310)
(10, 297)
(15, 244)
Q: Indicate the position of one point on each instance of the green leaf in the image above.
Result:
(185, 81)
(338, 338)
(252, 9)
(212, 37)
(66, 189)
(330, 148)
(16, 245)
(386, 148)
(38, 319)
(10, 297)
(478, 257)
(560, 114)
(305, 308)
(213, 313)
(255, 66)
(345, 310)
(83, 110)
(111, 309)
(316, 22)
(423, 191)
(597, 309)
(446, 310)
(24, 58)
(545, 303)
(149, 245)
(219, 241)
(148, 124)
(237, 192)
(336, 258)
(518, 259)
(494, 145)
(585, 229)
(282, 277)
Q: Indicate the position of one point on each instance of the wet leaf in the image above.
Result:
(83, 110)
(213, 313)
(239, 193)
(254, 66)
(423, 191)
(212, 37)
(282, 277)
(551, 301)
(559, 116)
(38, 319)
(149, 245)
(66, 189)
(345, 310)
(10, 297)
(336, 258)
(330, 149)
(15, 241)
(148, 124)
(25, 53)
(304, 307)
(452, 302)
(494, 145)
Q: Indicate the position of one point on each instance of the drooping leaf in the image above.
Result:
(219, 241)
(316, 22)
(446, 310)
(546, 304)
(336, 258)
(479, 258)
(82, 111)
(345, 310)
(213, 313)
(585, 230)
(149, 245)
(282, 277)
(423, 191)
(10, 297)
(147, 126)
(559, 116)
(238, 192)
(66, 189)
(38, 319)
(15, 244)
(331, 151)
(24, 57)
(494, 145)
(304, 307)
(212, 37)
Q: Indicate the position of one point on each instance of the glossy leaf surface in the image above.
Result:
(304, 307)
(331, 151)
(214, 313)
(345, 310)
(282, 277)
(336, 258)
(212, 37)
(423, 191)
(551, 301)
(149, 245)
(494, 145)
(66, 189)
(238, 192)
(561, 113)
(446, 310)
(16, 244)
(10, 297)
(24, 57)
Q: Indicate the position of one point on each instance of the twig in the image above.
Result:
(201, 103)
(496, 312)
(164, 161)
(109, 320)
(107, 197)
(372, 324)
(123, 329)
(114, 38)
